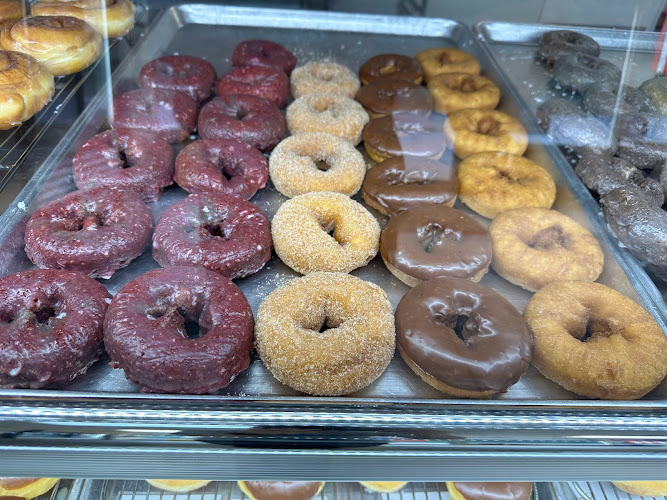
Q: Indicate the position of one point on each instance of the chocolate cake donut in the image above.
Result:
(556, 44)
(263, 53)
(603, 100)
(579, 71)
(642, 139)
(188, 74)
(269, 83)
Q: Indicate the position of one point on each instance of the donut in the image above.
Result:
(643, 488)
(433, 241)
(656, 90)
(168, 113)
(224, 166)
(393, 66)
(606, 100)
(145, 330)
(324, 231)
(404, 134)
(50, 327)
(595, 342)
(178, 485)
(642, 139)
(479, 130)
(245, 118)
(387, 96)
(383, 486)
(444, 60)
(318, 77)
(131, 159)
(462, 338)
(110, 18)
(25, 488)
(535, 246)
(316, 162)
(220, 232)
(281, 490)
(492, 182)
(63, 44)
(401, 183)
(188, 74)
(454, 91)
(13, 10)
(326, 334)
(94, 231)
(579, 71)
(330, 113)
(556, 44)
(263, 53)
(268, 83)
(490, 491)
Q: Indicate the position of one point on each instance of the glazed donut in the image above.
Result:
(268, 83)
(443, 60)
(188, 74)
(50, 327)
(643, 488)
(281, 490)
(220, 232)
(492, 182)
(25, 488)
(383, 486)
(433, 241)
(602, 100)
(318, 77)
(330, 113)
(95, 231)
(595, 342)
(13, 10)
(386, 96)
(656, 90)
(324, 232)
(642, 139)
(490, 491)
(479, 130)
(168, 113)
(393, 66)
(63, 44)
(222, 166)
(110, 18)
(579, 71)
(130, 159)
(401, 183)
(316, 162)
(454, 91)
(244, 118)
(355, 347)
(178, 485)
(25, 88)
(535, 246)
(556, 44)
(263, 53)
(462, 338)
(145, 335)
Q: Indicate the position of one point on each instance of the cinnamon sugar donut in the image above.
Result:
(454, 91)
(351, 353)
(447, 60)
(393, 66)
(322, 76)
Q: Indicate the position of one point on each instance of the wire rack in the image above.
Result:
(593, 490)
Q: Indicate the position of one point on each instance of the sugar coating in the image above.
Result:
(322, 76)
(300, 231)
(350, 355)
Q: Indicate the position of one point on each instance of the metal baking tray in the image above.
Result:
(513, 47)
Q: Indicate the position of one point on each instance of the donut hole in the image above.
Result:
(217, 229)
(180, 320)
(588, 61)
(44, 314)
(505, 175)
(327, 324)
(446, 58)
(7, 316)
(469, 85)
(241, 113)
(488, 126)
(594, 329)
(90, 221)
(329, 227)
(548, 238)
(124, 163)
(230, 169)
(433, 234)
(321, 106)
(322, 164)
(458, 322)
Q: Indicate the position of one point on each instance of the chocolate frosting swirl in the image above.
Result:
(282, 490)
(495, 491)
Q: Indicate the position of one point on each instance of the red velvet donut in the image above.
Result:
(145, 331)
(268, 83)
(168, 113)
(245, 118)
(188, 74)
(50, 326)
(221, 166)
(263, 53)
(125, 158)
(96, 231)
(220, 232)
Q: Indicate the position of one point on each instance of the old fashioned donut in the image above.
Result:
(443, 60)
(387, 96)
(606, 100)
(178, 485)
(462, 338)
(168, 113)
(263, 53)
(330, 113)
(188, 74)
(268, 83)
(454, 91)
(492, 182)
(393, 66)
(656, 89)
(433, 241)
(324, 232)
(595, 342)
(535, 246)
(220, 232)
(642, 139)
(145, 335)
(95, 231)
(558, 43)
(478, 130)
(224, 166)
(13, 10)
(401, 183)
(383, 486)
(131, 159)
(281, 490)
(490, 491)
(643, 488)
(355, 347)
(579, 71)
(316, 162)
(110, 18)
(19, 488)
(245, 118)
(328, 77)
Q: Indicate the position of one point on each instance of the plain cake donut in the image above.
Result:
(444, 60)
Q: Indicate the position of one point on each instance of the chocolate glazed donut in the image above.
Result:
(462, 338)
(491, 491)
(281, 490)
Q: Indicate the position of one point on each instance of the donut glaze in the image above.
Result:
(281, 490)
(491, 491)
(642, 139)
(50, 327)
(269, 83)
(605, 100)
(144, 331)
(579, 71)
(393, 66)
(558, 43)
(263, 53)
(387, 96)
(188, 74)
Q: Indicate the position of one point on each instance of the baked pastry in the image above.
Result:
(443, 60)
(454, 91)
(393, 66)
(178, 485)
(13, 10)
(263, 53)
(490, 491)
(188, 74)
(656, 89)
(265, 82)
(606, 100)
(318, 77)
(386, 96)
(383, 486)
(558, 43)
(281, 490)
(642, 139)
(25, 488)
(643, 488)
(579, 71)
(110, 18)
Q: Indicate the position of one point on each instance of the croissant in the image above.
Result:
(13, 10)
(110, 18)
